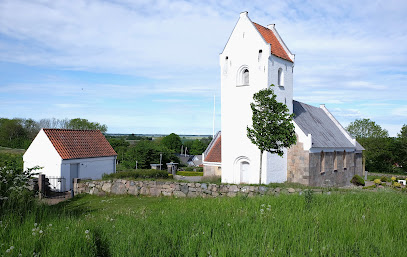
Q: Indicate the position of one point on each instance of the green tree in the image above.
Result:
(197, 147)
(120, 146)
(273, 129)
(147, 152)
(401, 148)
(13, 134)
(172, 142)
(364, 128)
(79, 123)
(378, 155)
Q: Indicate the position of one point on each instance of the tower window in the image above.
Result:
(280, 77)
(243, 77)
(260, 54)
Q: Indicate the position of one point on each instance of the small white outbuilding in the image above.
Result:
(66, 154)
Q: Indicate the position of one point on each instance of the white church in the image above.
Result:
(325, 154)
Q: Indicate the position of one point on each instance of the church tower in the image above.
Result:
(254, 58)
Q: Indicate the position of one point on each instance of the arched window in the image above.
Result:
(246, 77)
(280, 77)
(322, 164)
(243, 77)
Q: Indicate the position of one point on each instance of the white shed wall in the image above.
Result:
(42, 153)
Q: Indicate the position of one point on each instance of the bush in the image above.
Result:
(198, 169)
(370, 187)
(137, 174)
(397, 184)
(358, 180)
(384, 179)
(189, 173)
(377, 181)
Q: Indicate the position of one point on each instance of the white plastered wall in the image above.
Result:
(42, 153)
(242, 49)
(92, 168)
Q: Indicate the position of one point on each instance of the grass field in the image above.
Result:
(11, 150)
(343, 224)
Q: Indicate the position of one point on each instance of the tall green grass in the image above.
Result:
(341, 224)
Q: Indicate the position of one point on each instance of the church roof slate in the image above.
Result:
(276, 48)
(77, 144)
(324, 133)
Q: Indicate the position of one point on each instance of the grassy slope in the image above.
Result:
(362, 224)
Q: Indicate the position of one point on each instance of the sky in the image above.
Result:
(152, 67)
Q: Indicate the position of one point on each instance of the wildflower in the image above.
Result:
(33, 234)
(35, 224)
(263, 205)
(228, 224)
(363, 216)
(86, 231)
(33, 229)
(50, 225)
(40, 232)
(8, 250)
(261, 210)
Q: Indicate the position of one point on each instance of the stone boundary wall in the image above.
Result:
(178, 189)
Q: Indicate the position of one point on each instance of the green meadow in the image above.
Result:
(340, 224)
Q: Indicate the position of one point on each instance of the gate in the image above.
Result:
(55, 187)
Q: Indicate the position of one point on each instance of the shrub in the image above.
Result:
(189, 173)
(397, 184)
(384, 179)
(198, 169)
(358, 180)
(370, 187)
(393, 178)
(137, 174)
(377, 181)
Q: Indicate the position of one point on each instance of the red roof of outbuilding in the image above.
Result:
(276, 48)
(77, 144)
(215, 153)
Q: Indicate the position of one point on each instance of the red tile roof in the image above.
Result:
(276, 48)
(215, 153)
(76, 144)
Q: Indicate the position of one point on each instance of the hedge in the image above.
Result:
(147, 173)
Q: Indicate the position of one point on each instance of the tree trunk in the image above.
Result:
(261, 164)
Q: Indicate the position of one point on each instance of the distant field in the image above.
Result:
(347, 224)
(11, 150)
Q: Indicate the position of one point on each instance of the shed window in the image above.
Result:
(335, 161)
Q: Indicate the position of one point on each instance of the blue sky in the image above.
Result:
(153, 66)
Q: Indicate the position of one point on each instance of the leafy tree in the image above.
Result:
(197, 147)
(79, 123)
(172, 142)
(147, 152)
(401, 148)
(364, 128)
(273, 129)
(120, 146)
(379, 156)
(13, 134)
